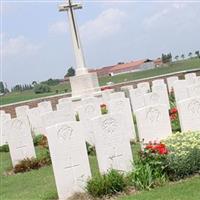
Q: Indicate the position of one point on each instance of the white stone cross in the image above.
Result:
(80, 61)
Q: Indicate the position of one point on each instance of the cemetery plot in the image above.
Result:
(3, 136)
(112, 143)
(189, 114)
(122, 106)
(153, 123)
(69, 158)
(19, 140)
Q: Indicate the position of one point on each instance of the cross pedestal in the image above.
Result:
(84, 82)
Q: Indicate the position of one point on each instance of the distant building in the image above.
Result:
(122, 68)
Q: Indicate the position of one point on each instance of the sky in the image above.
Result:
(36, 43)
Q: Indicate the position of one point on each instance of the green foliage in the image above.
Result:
(90, 149)
(38, 139)
(167, 58)
(184, 155)
(71, 72)
(41, 88)
(4, 148)
(145, 177)
(2, 88)
(107, 184)
(20, 88)
(51, 82)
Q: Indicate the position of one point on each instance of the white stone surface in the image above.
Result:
(64, 100)
(126, 89)
(137, 99)
(2, 112)
(191, 78)
(19, 140)
(87, 112)
(21, 111)
(154, 98)
(45, 107)
(68, 107)
(69, 158)
(112, 145)
(153, 123)
(194, 90)
(4, 117)
(162, 91)
(158, 82)
(56, 117)
(189, 114)
(180, 90)
(123, 106)
(117, 95)
(144, 86)
(84, 84)
(170, 82)
(35, 120)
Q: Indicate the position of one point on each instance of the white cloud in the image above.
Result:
(19, 46)
(59, 27)
(106, 24)
(156, 17)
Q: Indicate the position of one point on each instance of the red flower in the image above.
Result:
(157, 148)
(173, 111)
(105, 88)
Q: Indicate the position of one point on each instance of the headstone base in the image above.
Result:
(84, 84)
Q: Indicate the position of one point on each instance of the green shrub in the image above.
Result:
(37, 139)
(4, 148)
(145, 177)
(107, 184)
(184, 155)
(41, 88)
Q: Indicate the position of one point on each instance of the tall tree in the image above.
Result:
(190, 54)
(176, 57)
(197, 53)
(71, 72)
(2, 88)
(182, 56)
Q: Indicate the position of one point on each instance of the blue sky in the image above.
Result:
(36, 44)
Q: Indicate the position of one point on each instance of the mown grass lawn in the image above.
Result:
(14, 97)
(185, 190)
(40, 184)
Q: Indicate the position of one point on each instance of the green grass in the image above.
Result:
(40, 184)
(14, 97)
(184, 190)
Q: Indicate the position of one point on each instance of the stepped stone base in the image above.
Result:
(84, 84)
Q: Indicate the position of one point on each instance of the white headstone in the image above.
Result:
(144, 86)
(63, 100)
(154, 98)
(137, 99)
(2, 112)
(191, 78)
(170, 82)
(69, 158)
(158, 82)
(112, 145)
(180, 90)
(126, 89)
(123, 106)
(35, 120)
(67, 107)
(45, 107)
(189, 114)
(56, 117)
(194, 90)
(3, 119)
(21, 111)
(19, 140)
(153, 123)
(162, 91)
(117, 95)
(87, 112)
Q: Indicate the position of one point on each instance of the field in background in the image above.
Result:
(14, 97)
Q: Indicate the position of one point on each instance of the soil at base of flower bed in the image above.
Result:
(85, 196)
